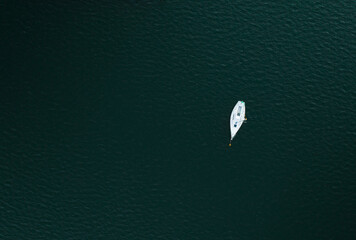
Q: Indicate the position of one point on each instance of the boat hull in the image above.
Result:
(237, 118)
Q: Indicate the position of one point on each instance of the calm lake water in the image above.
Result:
(114, 120)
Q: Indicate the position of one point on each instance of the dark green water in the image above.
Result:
(114, 120)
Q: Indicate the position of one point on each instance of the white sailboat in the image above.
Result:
(237, 118)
